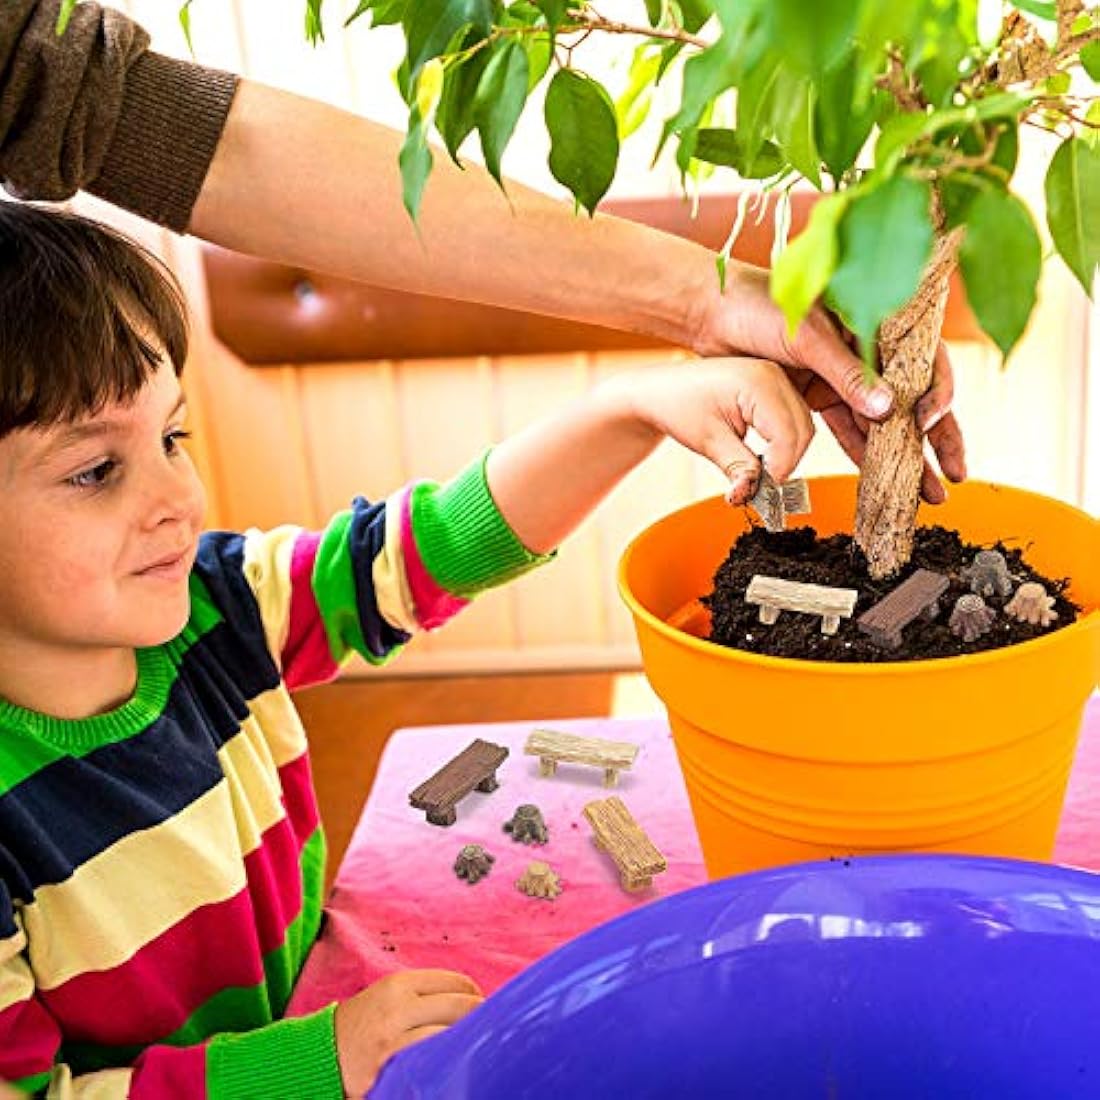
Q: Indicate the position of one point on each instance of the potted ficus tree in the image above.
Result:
(907, 117)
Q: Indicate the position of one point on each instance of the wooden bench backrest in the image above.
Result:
(459, 776)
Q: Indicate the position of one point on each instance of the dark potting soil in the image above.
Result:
(799, 555)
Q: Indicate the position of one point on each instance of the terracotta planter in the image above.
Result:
(789, 760)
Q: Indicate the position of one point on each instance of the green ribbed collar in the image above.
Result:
(155, 674)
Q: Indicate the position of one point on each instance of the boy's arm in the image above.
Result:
(289, 1058)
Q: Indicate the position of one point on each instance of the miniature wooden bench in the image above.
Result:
(554, 748)
(474, 767)
(774, 594)
(775, 502)
(919, 595)
(616, 832)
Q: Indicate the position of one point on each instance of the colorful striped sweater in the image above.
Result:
(161, 865)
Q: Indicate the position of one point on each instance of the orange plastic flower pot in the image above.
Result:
(788, 760)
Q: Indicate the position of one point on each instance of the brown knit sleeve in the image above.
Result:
(95, 109)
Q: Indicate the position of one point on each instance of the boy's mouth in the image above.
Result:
(169, 567)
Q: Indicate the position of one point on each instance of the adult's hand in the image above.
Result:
(823, 367)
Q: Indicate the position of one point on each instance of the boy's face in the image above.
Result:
(99, 523)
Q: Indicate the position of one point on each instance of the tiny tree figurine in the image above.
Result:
(907, 114)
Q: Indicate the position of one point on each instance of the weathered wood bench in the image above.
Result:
(473, 768)
(918, 595)
(774, 503)
(774, 594)
(616, 832)
(554, 748)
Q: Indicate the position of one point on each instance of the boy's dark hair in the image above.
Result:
(80, 309)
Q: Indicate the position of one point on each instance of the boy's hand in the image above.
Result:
(709, 407)
(393, 1013)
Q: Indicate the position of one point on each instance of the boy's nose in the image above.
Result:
(171, 496)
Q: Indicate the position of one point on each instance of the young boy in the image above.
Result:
(161, 855)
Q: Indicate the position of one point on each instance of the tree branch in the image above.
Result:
(592, 19)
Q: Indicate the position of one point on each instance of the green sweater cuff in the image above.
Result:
(294, 1059)
(463, 540)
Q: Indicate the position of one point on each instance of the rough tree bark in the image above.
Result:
(889, 486)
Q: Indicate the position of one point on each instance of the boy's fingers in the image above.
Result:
(416, 1035)
(430, 981)
(741, 467)
(787, 427)
(440, 1009)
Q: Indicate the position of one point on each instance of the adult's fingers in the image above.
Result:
(821, 348)
(936, 403)
(947, 441)
(851, 437)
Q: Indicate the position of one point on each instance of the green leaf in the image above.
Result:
(653, 9)
(315, 29)
(1090, 59)
(1044, 9)
(454, 117)
(695, 14)
(885, 242)
(415, 160)
(633, 105)
(842, 120)
(902, 131)
(185, 23)
(1001, 258)
(724, 147)
(383, 12)
(804, 267)
(539, 54)
(1073, 199)
(1057, 84)
(794, 129)
(1091, 136)
(64, 14)
(812, 39)
(584, 139)
(556, 12)
(501, 94)
(705, 76)
(430, 27)
(429, 88)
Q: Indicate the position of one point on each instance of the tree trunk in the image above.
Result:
(889, 485)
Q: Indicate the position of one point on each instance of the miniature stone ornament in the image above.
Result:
(1032, 604)
(539, 881)
(615, 831)
(473, 863)
(918, 596)
(773, 502)
(527, 825)
(971, 618)
(988, 574)
(553, 748)
(774, 594)
(474, 767)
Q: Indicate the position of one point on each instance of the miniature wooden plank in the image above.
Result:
(774, 594)
(474, 767)
(917, 595)
(553, 748)
(617, 833)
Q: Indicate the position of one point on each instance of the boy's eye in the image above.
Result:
(173, 439)
(95, 477)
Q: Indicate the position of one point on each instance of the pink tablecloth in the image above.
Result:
(397, 904)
